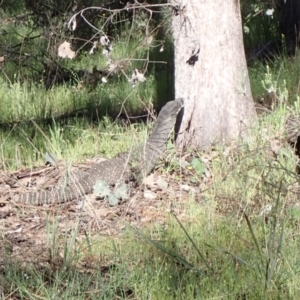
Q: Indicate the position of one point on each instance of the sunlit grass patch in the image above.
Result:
(77, 141)
(239, 241)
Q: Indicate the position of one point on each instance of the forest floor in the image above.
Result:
(25, 227)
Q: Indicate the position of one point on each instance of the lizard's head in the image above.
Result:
(171, 110)
(166, 119)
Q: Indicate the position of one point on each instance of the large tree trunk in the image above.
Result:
(211, 72)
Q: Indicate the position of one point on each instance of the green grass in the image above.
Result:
(30, 123)
(21, 102)
(223, 247)
(227, 246)
(285, 74)
(26, 145)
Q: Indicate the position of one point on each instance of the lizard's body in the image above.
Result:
(119, 169)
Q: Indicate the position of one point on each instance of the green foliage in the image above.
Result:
(122, 192)
(10, 8)
(31, 64)
(259, 27)
(284, 73)
(242, 246)
(101, 189)
(198, 166)
(31, 51)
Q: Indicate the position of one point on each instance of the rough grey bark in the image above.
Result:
(211, 72)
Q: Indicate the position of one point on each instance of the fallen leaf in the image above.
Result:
(64, 50)
(137, 77)
(149, 195)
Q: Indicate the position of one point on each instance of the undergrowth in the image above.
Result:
(240, 242)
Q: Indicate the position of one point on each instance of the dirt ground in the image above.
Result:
(24, 228)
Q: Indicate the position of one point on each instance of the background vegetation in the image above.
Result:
(240, 242)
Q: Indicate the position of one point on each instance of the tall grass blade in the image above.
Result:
(255, 242)
(194, 245)
(237, 258)
(172, 254)
(274, 251)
